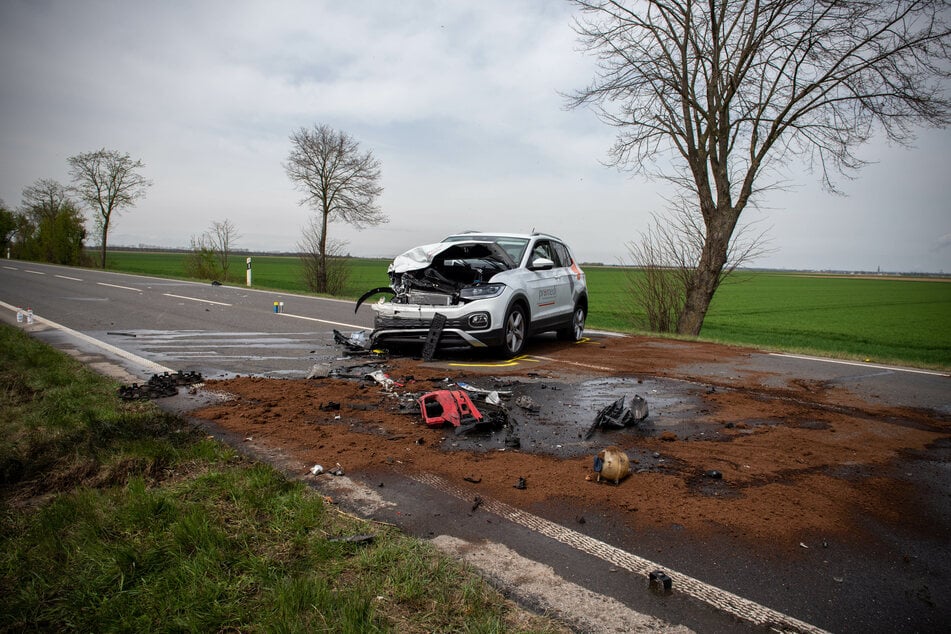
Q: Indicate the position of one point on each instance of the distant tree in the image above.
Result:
(222, 236)
(49, 225)
(339, 182)
(210, 251)
(45, 198)
(733, 90)
(108, 182)
(8, 225)
(322, 260)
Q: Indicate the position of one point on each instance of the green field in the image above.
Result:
(883, 319)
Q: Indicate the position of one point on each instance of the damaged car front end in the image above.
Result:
(481, 290)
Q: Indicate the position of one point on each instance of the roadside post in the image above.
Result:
(249, 271)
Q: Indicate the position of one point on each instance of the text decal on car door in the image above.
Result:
(546, 296)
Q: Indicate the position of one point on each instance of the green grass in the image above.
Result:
(885, 320)
(117, 517)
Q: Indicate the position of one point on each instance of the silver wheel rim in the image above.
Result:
(579, 323)
(514, 331)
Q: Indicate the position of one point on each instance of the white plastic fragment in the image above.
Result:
(316, 469)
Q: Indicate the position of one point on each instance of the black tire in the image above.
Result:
(575, 330)
(515, 330)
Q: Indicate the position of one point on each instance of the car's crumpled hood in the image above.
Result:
(423, 256)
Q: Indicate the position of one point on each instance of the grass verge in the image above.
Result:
(116, 516)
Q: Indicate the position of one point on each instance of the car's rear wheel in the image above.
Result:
(515, 330)
(575, 330)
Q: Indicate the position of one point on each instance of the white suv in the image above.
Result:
(482, 290)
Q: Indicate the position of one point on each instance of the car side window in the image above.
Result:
(564, 258)
(541, 250)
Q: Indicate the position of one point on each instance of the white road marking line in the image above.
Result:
(195, 299)
(141, 361)
(859, 364)
(66, 277)
(127, 288)
(323, 321)
(34, 272)
(10, 268)
(721, 599)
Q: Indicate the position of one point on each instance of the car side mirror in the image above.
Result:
(542, 264)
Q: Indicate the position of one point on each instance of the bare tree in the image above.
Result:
(45, 199)
(322, 259)
(339, 182)
(108, 182)
(210, 251)
(222, 236)
(733, 89)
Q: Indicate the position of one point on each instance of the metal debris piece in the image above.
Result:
(520, 484)
(526, 403)
(619, 415)
(660, 579)
(319, 371)
(355, 341)
(382, 378)
(478, 390)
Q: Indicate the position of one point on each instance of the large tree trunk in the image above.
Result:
(703, 283)
(322, 272)
(102, 248)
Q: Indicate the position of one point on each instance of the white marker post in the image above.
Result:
(249, 271)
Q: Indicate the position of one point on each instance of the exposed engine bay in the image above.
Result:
(437, 274)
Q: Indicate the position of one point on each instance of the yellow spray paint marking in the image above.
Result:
(497, 364)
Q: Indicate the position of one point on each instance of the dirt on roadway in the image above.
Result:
(728, 450)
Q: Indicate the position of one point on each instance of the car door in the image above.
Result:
(549, 287)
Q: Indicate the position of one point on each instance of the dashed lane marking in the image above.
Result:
(721, 599)
(66, 277)
(34, 272)
(125, 288)
(196, 299)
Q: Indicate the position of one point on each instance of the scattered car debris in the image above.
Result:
(611, 464)
(520, 484)
(473, 479)
(382, 378)
(159, 386)
(336, 471)
(619, 415)
(478, 390)
(329, 406)
(449, 406)
(356, 341)
(713, 473)
(525, 402)
(316, 469)
(476, 502)
(661, 580)
(319, 371)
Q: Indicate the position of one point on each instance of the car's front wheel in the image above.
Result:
(515, 330)
(575, 330)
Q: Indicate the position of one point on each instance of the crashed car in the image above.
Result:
(477, 290)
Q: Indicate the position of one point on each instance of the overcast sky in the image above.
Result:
(460, 101)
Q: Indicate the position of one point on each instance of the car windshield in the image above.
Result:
(515, 247)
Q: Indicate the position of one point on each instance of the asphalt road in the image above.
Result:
(146, 324)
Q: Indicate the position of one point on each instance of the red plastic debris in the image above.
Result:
(448, 406)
